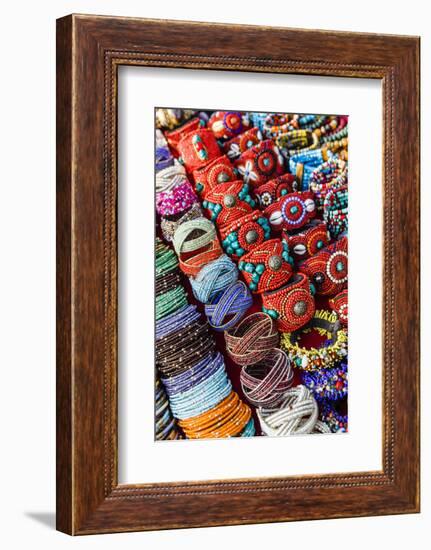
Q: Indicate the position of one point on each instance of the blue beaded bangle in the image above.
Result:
(193, 376)
(214, 278)
(249, 430)
(202, 397)
(233, 303)
(328, 384)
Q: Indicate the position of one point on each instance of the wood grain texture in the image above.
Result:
(90, 49)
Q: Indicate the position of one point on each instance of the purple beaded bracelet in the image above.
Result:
(229, 306)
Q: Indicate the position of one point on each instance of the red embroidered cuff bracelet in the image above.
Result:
(339, 304)
(292, 305)
(266, 267)
(239, 144)
(260, 163)
(227, 124)
(291, 212)
(227, 202)
(173, 138)
(214, 173)
(309, 241)
(245, 234)
(328, 270)
(198, 148)
(275, 189)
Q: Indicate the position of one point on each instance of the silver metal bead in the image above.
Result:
(275, 262)
(223, 177)
(251, 236)
(229, 201)
(300, 308)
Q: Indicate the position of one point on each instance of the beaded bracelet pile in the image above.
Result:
(192, 371)
(239, 144)
(328, 384)
(265, 383)
(255, 206)
(329, 175)
(260, 163)
(251, 339)
(336, 421)
(328, 269)
(313, 358)
(165, 423)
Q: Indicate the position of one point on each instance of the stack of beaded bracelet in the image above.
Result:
(340, 305)
(332, 174)
(297, 141)
(328, 269)
(265, 383)
(227, 308)
(214, 278)
(266, 372)
(292, 305)
(196, 243)
(335, 211)
(170, 294)
(252, 339)
(168, 119)
(298, 413)
(237, 145)
(192, 371)
(308, 240)
(302, 164)
(260, 163)
(165, 424)
(276, 124)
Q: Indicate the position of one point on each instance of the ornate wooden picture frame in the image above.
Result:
(89, 51)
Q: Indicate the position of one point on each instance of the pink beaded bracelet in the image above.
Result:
(176, 201)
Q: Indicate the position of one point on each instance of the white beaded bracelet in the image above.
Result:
(297, 414)
(170, 177)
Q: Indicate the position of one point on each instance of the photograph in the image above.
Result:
(251, 273)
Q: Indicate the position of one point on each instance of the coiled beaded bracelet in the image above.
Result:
(193, 235)
(297, 414)
(169, 226)
(252, 339)
(229, 307)
(205, 245)
(264, 383)
(170, 177)
(227, 419)
(213, 278)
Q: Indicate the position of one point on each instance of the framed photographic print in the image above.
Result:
(237, 274)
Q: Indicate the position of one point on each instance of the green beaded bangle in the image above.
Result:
(170, 301)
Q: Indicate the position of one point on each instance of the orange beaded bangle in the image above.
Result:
(227, 419)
